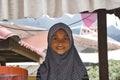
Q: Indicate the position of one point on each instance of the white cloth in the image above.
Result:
(54, 8)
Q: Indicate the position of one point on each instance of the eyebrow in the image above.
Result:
(66, 35)
(54, 35)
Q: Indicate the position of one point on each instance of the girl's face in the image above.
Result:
(60, 41)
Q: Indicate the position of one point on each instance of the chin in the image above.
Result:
(60, 52)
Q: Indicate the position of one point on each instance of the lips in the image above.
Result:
(60, 47)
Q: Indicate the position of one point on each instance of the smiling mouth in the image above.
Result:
(60, 48)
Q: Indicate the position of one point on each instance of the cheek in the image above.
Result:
(53, 44)
(67, 44)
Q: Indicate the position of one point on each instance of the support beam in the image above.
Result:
(4, 44)
(2, 61)
(102, 45)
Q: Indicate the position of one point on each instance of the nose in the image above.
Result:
(60, 42)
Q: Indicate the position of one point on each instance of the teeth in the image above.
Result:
(59, 47)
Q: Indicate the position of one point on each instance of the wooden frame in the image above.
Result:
(18, 52)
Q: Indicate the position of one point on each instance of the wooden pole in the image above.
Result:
(3, 63)
(102, 45)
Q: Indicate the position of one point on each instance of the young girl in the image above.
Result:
(62, 61)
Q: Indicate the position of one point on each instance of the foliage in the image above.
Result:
(114, 71)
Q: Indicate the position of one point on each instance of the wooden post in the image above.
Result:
(102, 45)
(3, 63)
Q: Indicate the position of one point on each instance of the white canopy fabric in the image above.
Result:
(14, 9)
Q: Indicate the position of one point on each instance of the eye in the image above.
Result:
(66, 38)
(54, 38)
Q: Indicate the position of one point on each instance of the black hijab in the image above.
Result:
(67, 66)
